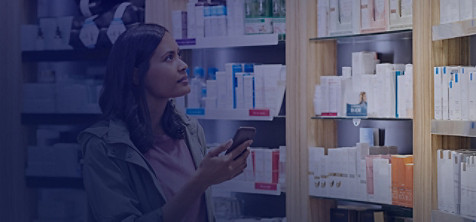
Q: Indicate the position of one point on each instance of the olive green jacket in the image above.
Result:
(120, 184)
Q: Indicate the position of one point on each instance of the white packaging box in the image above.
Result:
(235, 17)
(322, 18)
(324, 98)
(466, 10)
(448, 187)
(39, 98)
(239, 90)
(374, 15)
(335, 97)
(348, 94)
(282, 166)
(199, 21)
(191, 32)
(224, 90)
(449, 11)
(445, 92)
(456, 186)
(405, 92)
(367, 135)
(59, 160)
(464, 85)
(472, 95)
(324, 166)
(274, 81)
(315, 156)
(361, 181)
(454, 96)
(363, 63)
(72, 98)
(351, 170)
(249, 91)
(179, 24)
(258, 159)
(468, 187)
(332, 155)
(248, 171)
(400, 14)
(318, 99)
(382, 181)
(212, 88)
(386, 77)
(438, 80)
(340, 17)
(441, 184)
(409, 87)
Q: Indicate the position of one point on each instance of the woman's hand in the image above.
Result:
(216, 169)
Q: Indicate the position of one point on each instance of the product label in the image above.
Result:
(259, 112)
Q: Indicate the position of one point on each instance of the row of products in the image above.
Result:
(457, 10)
(242, 86)
(344, 17)
(456, 181)
(84, 30)
(231, 18)
(367, 89)
(455, 93)
(363, 173)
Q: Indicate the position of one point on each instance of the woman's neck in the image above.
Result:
(156, 111)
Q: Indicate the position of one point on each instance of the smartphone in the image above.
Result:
(243, 134)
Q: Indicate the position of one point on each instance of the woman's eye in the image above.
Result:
(169, 58)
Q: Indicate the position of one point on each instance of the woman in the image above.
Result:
(145, 161)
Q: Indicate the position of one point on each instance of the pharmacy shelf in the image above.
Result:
(54, 182)
(229, 41)
(360, 117)
(454, 128)
(66, 55)
(59, 118)
(235, 114)
(454, 30)
(394, 210)
(249, 187)
(440, 216)
(405, 31)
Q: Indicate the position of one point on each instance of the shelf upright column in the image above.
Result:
(426, 55)
(306, 61)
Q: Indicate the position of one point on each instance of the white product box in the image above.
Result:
(231, 69)
(464, 85)
(382, 181)
(472, 95)
(332, 172)
(363, 63)
(239, 90)
(454, 98)
(400, 14)
(324, 104)
(191, 32)
(445, 91)
(374, 15)
(438, 82)
(315, 156)
(249, 91)
(199, 21)
(258, 25)
(179, 24)
(449, 11)
(341, 18)
(39, 98)
(322, 18)
(386, 77)
(224, 90)
(318, 100)
(468, 187)
(335, 96)
(235, 17)
(466, 10)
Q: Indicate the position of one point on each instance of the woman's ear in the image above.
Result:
(135, 76)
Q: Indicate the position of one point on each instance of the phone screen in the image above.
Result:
(242, 134)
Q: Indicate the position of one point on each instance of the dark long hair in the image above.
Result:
(121, 99)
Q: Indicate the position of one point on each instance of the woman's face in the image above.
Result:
(166, 77)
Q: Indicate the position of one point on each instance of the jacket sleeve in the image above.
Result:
(109, 195)
(201, 138)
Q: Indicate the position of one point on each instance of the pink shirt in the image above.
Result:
(174, 166)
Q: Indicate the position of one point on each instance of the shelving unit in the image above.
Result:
(454, 30)
(229, 41)
(453, 128)
(339, 37)
(249, 187)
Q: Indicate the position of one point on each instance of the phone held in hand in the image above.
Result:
(243, 134)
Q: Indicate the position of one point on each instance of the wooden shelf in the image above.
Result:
(54, 182)
(454, 30)
(464, 128)
(59, 118)
(65, 55)
(406, 32)
(229, 41)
